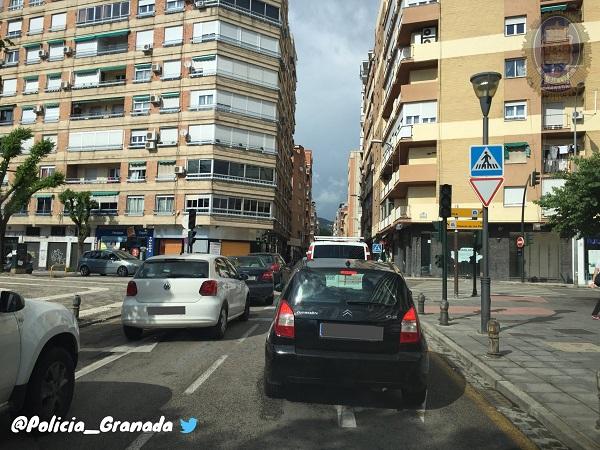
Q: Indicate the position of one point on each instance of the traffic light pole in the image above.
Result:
(522, 250)
(474, 293)
(486, 299)
(444, 305)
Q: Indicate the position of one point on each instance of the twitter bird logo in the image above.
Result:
(187, 426)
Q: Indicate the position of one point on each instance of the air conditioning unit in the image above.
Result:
(68, 51)
(151, 135)
(147, 48)
(150, 145)
(156, 68)
(199, 3)
(428, 34)
(578, 115)
(39, 109)
(43, 54)
(155, 99)
(179, 170)
(65, 85)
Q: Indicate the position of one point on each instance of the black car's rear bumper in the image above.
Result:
(284, 364)
(260, 292)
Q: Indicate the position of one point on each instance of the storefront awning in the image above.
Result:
(91, 37)
(553, 8)
(510, 145)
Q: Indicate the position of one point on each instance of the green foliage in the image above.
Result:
(5, 43)
(325, 231)
(576, 205)
(79, 206)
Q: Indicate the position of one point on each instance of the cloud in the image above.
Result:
(332, 37)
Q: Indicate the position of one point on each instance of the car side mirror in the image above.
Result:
(243, 276)
(11, 302)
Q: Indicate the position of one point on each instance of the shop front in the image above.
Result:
(136, 240)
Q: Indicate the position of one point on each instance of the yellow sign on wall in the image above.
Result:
(467, 212)
(465, 224)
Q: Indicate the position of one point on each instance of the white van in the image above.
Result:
(338, 247)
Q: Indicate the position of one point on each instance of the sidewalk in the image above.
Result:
(550, 347)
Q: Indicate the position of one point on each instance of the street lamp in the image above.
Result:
(485, 85)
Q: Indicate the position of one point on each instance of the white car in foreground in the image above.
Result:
(185, 291)
(39, 345)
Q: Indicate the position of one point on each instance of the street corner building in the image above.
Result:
(157, 107)
(420, 117)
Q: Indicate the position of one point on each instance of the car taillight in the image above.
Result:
(267, 276)
(208, 287)
(309, 253)
(409, 332)
(284, 323)
(275, 267)
(131, 289)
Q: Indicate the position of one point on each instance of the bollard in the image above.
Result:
(493, 329)
(444, 312)
(76, 305)
(421, 304)
(598, 387)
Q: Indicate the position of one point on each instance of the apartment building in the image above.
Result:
(340, 223)
(420, 116)
(354, 208)
(157, 107)
(301, 183)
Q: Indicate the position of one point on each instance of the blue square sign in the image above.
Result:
(377, 248)
(487, 161)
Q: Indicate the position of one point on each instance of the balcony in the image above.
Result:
(104, 77)
(97, 109)
(104, 212)
(409, 175)
(236, 42)
(219, 177)
(270, 14)
(101, 44)
(398, 213)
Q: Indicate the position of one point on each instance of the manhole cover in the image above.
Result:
(572, 331)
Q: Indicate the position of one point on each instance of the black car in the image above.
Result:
(260, 280)
(347, 323)
(281, 271)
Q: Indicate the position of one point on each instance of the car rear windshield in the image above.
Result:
(339, 251)
(248, 261)
(173, 268)
(348, 286)
(123, 255)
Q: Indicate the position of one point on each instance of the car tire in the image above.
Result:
(84, 271)
(414, 398)
(218, 331)
(246, 315)
(132, 333)
(122, 271)
(273, 390)
(51, 385)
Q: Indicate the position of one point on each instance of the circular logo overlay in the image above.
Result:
(556, 50)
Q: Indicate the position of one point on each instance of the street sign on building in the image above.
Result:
(465, 224)
(377, 248)
(486, 188)
(473, 213)
(520, 242)
(487, 161)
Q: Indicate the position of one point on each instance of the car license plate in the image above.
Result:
(165, 310)
(350, 331)
(251, 277)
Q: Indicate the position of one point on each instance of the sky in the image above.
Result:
(332, 37)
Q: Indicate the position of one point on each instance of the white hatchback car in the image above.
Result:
(185, 291)
(338, 247)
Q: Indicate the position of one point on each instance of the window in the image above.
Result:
(174, 5)
(202, 99)
(141, 105)
(55, 51)
(44, 206)
(137, 171)
(6, 116)
(247, 72)
(198, 202)
(53, 83)
(196, 167)
(13, 5)
(58, 231)
(227, 205)
(168, 136)
(86, 48)
(26, 145)
(135, 205)
(31, 85)
(143, 38)
(248, 38)
(166, 170)
(515, 68)
(554, 115)
(58, 22)
(107, 204)
(14, 28)
(28, 115)
(203, 65)
(205, 31)
(52, 138)
(513, 196)
(103, 13)
(96, 140)
(245, 105)
(51, 113)
(173, 36)
(11, 57)
(146, 8)
(235, 137)
(171, 69)
(515, 110)
(138, 138)
(170, 102)
(164, 204)
(46, 171)
(36, 25)
(142, 73)
(9, 86)
(32, 54)
(200, 134)
(256, 8)
(514, 25)
(87, 79)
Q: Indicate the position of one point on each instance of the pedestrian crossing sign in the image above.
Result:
(487, 161)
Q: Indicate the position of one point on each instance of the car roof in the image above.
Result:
(334, 242)
(341, 263)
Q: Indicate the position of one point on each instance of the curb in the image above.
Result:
(562, 430)
(500, 282)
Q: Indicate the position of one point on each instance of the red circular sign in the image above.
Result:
(520, 242)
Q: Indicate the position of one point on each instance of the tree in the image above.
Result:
(5, 43)
(26, 181)
(79, 206)
(576, 205)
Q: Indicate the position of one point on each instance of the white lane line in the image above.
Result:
(127, 348)
(346, 418)
(247, 333)
(140, 441)
(263, 308)
(202, 378)
(57, 281)
(100, 363)
(71, 294)
(98, 309)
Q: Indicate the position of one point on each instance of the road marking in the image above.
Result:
(55, 281)
(264, 308)
(202, 378)
(345, 415)
(127, 348)
(98, 309)
(246, 334)
(71, 294)
(140, 441)
(98, 364)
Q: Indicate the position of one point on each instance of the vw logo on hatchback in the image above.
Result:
(166, 286)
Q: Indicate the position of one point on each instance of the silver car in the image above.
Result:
(108, 262)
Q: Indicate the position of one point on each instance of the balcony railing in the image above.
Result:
(97, 180)
(230, 212)
(158, 212)
(210, 176)
(556, 165)
(225, 73)
(247, 12)
(99, 84)
(236, 42)
(93, 148)
(84, 23)
(231, 145)
(6, 122)
(109, 50)
(104, 212)
(92, 116)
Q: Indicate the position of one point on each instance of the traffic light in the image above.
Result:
(192, 219)
(438, 261)
(445, 200)
(535, 178)
(477, 240)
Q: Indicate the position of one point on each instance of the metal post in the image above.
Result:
(485, 278)
(455, 263)
(522, 250)
(421, 303)
(474, 293)
(493, 330)
(76, 305)
(444, 305)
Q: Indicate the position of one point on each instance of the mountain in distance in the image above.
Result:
(325, 227)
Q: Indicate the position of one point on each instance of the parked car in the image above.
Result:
(260, 280)
(281, 271)
(39, 346)
(108, 262)
(350, 322)
(11, 261)
(338, 247)
(187, 291)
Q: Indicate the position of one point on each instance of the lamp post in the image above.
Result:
(485, 85)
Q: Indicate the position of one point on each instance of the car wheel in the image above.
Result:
(50, 387)
(84, 271)
(122, 271)
(414, 398)
(272, 390)
(132, 333)
(218, 331)
(246, 315)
